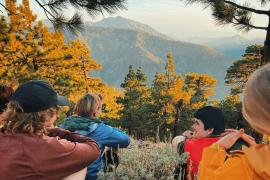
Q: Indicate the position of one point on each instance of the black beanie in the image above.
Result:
(211, 117)
(36, 96)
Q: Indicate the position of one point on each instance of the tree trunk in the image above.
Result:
(266, 49)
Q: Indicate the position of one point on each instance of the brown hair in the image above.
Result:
(88, 105)
(15, 121)
(256, 100)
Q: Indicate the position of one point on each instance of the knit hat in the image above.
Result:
(211, 117)
(37, 95)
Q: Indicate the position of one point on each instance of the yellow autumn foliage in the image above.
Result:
(31, 51)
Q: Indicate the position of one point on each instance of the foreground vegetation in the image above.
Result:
(144, 160)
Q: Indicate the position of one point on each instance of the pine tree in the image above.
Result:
(199, 87)
(238, 73)
(166, 93)
(134, 102)
(231, 107)
(177, 96)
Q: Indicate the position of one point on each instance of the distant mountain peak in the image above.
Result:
(120, 22)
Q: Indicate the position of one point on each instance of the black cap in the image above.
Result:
(211, 117)
(37, 95)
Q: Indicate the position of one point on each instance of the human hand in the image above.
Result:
(176, 140)
(247, 138)
(229, 139)
(188, 134)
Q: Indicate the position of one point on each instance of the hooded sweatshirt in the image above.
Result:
(249, 164)
(103, 134)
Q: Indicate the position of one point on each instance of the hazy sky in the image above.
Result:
(173, 18)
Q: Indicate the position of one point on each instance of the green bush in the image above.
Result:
(145, 161)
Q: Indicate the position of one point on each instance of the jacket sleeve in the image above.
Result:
(216, 165)
(67, 155)
(116, 138)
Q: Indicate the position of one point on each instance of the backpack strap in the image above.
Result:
(181, 167)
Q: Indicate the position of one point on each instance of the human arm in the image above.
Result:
(110, 136)
(65, 134)
(216, 164)
(58, 158)
(117, 139)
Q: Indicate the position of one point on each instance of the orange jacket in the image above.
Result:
(250, 164)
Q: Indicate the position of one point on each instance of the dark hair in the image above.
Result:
(5, 94)
(211, 117)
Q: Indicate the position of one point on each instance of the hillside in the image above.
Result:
(233, 46)
(118, 47)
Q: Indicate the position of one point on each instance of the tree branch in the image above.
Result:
(7, 9)
(45, 10)
(248, 25)
(247, 8)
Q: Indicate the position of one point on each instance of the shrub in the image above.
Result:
(145, 161)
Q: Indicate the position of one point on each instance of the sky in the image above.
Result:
(175, 19)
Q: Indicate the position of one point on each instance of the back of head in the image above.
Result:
(5, 95)
(30, 107)
(256, 100)
(88, 105)
(211, 117)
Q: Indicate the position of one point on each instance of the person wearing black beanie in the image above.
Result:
(209, 124)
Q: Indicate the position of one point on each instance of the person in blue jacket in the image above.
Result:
(87, 123)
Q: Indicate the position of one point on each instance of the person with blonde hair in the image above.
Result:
(252, 162)
(30, 148)
(86, 122)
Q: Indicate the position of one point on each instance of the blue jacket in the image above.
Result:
(103, 134)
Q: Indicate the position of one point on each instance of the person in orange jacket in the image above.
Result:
(251, 162)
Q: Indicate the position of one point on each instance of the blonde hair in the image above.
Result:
(256, 100)
(88, 105)
(15, 121)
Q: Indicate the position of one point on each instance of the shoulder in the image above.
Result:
(198, 143)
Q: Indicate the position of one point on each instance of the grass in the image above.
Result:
(145, 161)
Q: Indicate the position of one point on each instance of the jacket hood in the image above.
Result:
(259, 159)
(74, 123)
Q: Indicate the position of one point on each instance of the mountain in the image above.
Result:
(124, 23)
(117, 48)
(233, 46)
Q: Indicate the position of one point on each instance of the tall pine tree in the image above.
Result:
(134, 102)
